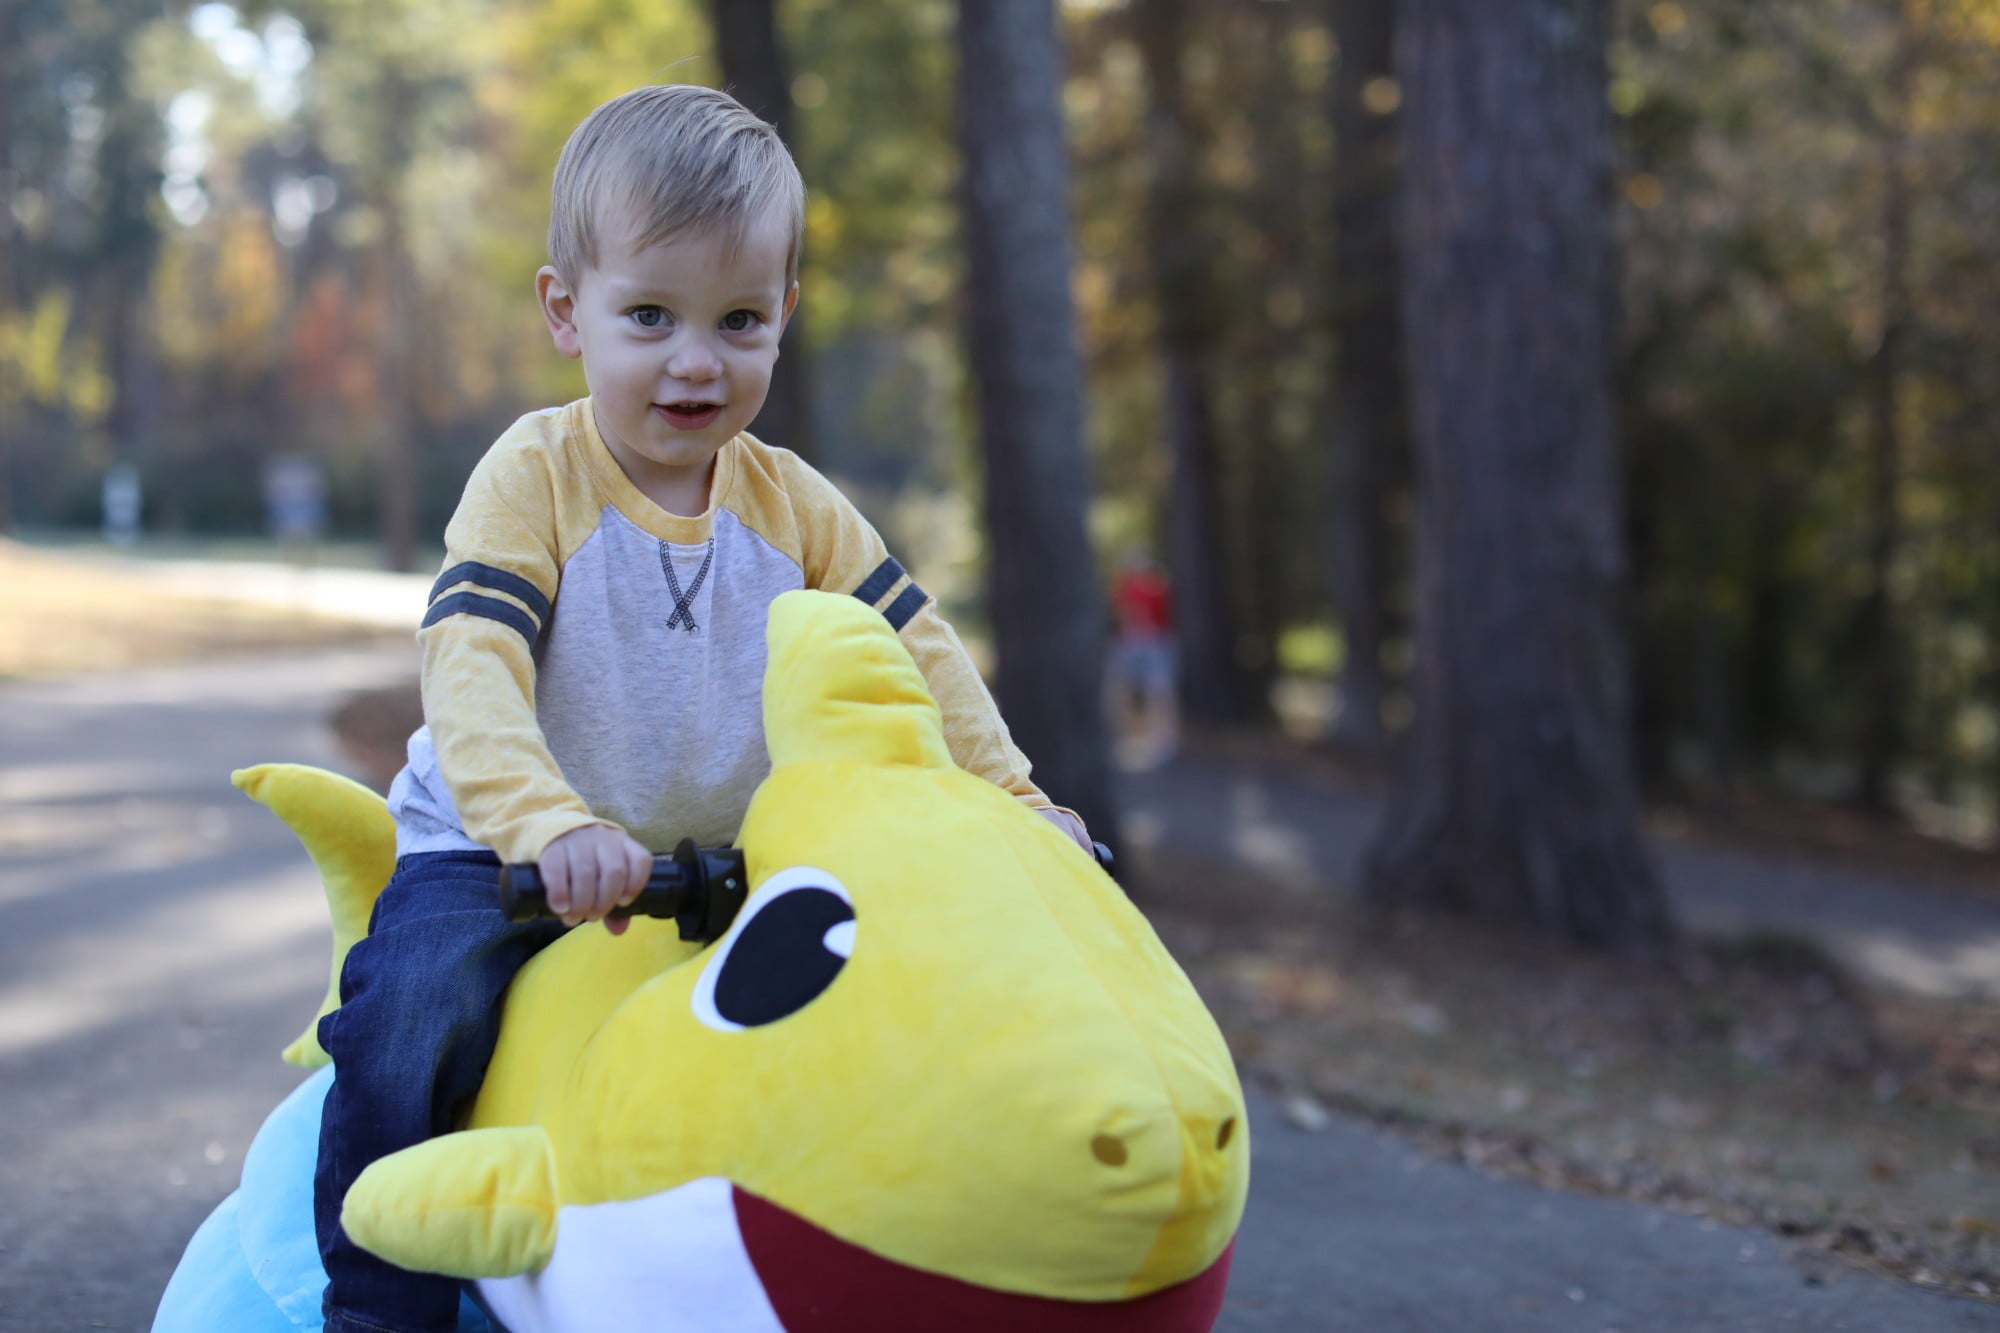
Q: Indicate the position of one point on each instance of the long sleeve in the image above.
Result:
(488, 610)
(843, 553)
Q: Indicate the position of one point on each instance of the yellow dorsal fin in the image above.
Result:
(351, 837)
(841, 687)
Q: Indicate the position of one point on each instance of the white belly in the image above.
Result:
(670, 1263)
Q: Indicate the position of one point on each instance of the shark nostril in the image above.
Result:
(1108, 1149)
(1224, 1134)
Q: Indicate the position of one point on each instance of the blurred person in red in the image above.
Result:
(1143, 671)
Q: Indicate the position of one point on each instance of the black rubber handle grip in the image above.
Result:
(699, 888)
(523, 896)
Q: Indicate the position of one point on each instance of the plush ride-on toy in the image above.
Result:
(938, 1074)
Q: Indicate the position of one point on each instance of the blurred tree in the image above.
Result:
(78, 164)
(1207, 623)
(1253, 84)
(1266, 236)
(1785, 163)
(1369, 422)
(754, 70)
(1879, 626)
(1515, 801)
(1042, 591)
(399, 77)
(12, 289)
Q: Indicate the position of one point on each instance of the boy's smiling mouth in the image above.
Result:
(689, 414)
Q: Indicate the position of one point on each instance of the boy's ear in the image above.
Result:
(558, 304)
(791, 304)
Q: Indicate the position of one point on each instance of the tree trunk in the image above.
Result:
(1766, 709)
(1515, 802)
(128, 249)
(1879, 632)
(1042, 591)
(13, 294)
(755, 72)
(1369, 419)
(1214, 686)
(396, 479)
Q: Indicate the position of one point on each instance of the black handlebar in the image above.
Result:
(699, 888)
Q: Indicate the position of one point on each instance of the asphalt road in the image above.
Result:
(165, 938)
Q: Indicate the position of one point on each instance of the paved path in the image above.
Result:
(1307, 833)
(1353, 1231)
(165, 937)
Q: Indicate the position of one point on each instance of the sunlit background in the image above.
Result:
(235, 237)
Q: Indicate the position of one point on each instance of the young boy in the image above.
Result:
(594, 650)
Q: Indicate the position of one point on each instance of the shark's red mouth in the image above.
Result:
(819, 1283)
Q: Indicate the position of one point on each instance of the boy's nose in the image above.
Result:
(694, 361)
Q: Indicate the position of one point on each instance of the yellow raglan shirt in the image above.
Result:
(590, 658)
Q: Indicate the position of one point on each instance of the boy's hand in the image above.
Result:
(590, 870)
(1072, 827)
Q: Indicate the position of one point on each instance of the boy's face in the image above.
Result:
(677, 342)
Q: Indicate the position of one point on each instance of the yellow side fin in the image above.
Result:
(478, 1203)
(351, 837)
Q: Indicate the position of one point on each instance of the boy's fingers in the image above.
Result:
(616, 924)
(555, 880)
(608, 873)
(583, 895)
(638, 869)
(582, 886)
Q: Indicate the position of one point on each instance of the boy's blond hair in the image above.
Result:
(675, 159)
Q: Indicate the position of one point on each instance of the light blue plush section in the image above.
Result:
(253, 1266)
(212, 1289)
(276, 1215)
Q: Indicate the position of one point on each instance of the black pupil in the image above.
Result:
(780, 962)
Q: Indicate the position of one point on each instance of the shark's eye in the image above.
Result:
(786, 947)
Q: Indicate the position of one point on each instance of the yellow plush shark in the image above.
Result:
(938, 1074)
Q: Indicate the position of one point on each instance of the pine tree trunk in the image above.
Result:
(1515, 802)
(1042, 592)
(755, 72)
(1369, 420)
(1214, 686)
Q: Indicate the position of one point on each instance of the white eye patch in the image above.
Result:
(839, 938)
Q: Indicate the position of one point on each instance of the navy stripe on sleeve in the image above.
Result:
(883, 579)
(497, 580)
(905, 606)
(492, 608)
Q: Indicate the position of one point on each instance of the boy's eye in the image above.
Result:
(648, 316)
(736, 321)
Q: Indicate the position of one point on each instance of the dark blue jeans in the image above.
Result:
(418, 1019)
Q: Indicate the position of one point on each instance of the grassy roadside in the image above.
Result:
(1751, 1084)
(59, 615)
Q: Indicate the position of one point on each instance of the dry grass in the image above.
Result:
(1753, 1084)
(59, 616)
